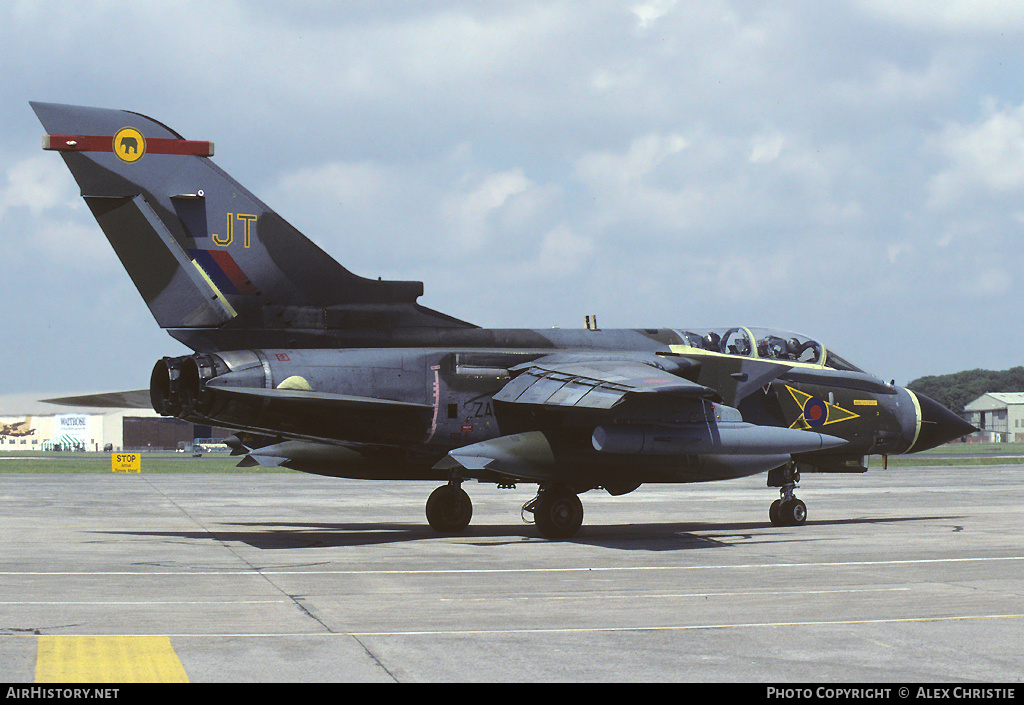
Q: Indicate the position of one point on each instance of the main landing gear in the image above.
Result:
(787, 510)
(449, 508)
(557, 511)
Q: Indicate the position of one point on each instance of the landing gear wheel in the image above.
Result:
(787, 510)
(449, 509)
(792, 512)
(558, 513)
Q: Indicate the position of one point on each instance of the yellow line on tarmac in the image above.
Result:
(108, 659)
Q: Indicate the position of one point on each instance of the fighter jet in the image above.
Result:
(323, 371)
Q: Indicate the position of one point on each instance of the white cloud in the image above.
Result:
(989, 282)
(651, 11)
(38, 193)
(492, 214)
(985, 158)
(350, 185)
(626, 186)
(952, 16)
(37, 183)
(898, 250)
(766, 147)
(75, 245)
(562, 252)
(471, 212)
(889, 85)
(709, 188)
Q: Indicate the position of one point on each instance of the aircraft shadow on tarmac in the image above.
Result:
(641, 536)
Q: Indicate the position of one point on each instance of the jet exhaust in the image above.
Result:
(177, 385)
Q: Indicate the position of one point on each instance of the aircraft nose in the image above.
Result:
(938, 425)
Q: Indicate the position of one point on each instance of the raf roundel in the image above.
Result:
(815, 412)
(129, 145)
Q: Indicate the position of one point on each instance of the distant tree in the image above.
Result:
(955, 391)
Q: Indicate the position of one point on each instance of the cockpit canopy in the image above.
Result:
(767, 344)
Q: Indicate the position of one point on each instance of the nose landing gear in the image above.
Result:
(791, 512)
(787, 510)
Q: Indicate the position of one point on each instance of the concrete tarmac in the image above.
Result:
(901, 575)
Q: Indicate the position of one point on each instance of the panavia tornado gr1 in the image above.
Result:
(322, 371)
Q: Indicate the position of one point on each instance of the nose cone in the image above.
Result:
(938, 425)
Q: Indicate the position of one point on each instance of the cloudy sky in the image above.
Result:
(852, 170)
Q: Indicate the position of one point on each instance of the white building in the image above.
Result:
(28, 423)
(999, 414)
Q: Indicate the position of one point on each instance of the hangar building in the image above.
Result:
(28, 423)
(999, 414)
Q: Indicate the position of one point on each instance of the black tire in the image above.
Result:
(558, 514)
(449, 509)
(773, 513)
(793, 513)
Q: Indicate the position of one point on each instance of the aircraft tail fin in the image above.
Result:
(216, 266)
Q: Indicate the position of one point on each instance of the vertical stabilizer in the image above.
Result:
(215, 265)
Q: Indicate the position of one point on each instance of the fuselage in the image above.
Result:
(444, 393)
